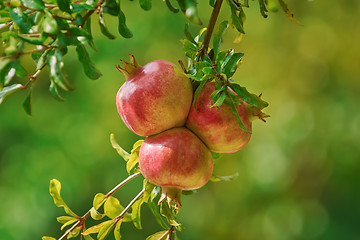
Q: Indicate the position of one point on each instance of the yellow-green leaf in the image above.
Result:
(112, 207)
(99, 199)
(117, 234)
(106, 229)
(124, 154)
(55, 188)
(95, 214)
(96, 228)
(162, 235)
(134, 156)
(48, 238)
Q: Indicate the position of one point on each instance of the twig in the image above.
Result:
(82, 219)
(130, 205)
(210, 28)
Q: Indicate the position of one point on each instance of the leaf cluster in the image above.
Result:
(213, 64)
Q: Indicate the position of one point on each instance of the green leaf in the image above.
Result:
(64, 5)
(272, 5)
(96, 228)
(27, 103)
(20, 70)
(237, 17)
(219, 99)
(236, 114)
(89, 67)
(34, 40)
(49, 23)
(145, 4)
(212, 3)
(65, 219)
(34, 4)
(99, 200)
(112, 207)
(95, 214)
(87, 27)
(124, 154)
(55, 188)
(149, 187)
(162, 235)
(188, 7)
(136, 213)
(111, 7)
(168, 214)
(171, 7)
(218, 33)
(54, 91)
(79, 20)
(103, 27)
(106, 229)
(117, 234)
(287, 12)
(263, 8)
(134, 156)
(215, 178)
(190, 48)
(42, 60)
(188, 34)
(230, 64)
(123, 29)
(81, 7)
(216, 155)
(247, 97)
(74, 233)
(48, 238)
(198, 90)
(155, 192)
(68, 223)
(20, 19)
(155, 209)
(6, 91)
(54, 65)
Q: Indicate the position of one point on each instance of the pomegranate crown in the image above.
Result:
(129, 68)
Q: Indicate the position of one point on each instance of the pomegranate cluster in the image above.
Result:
(156, 102)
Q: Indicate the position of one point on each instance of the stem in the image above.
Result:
(130, 204)
(82, 219)
(17, 55)
(210, 28)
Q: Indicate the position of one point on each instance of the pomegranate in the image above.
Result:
(217, 126)
(175, 160)
(154, 97)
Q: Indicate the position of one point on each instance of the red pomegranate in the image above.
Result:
(217, 126)
(154, 97)
(176, 160)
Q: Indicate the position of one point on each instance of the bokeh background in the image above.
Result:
(298, 177)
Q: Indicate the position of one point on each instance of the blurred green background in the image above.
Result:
(298, 177)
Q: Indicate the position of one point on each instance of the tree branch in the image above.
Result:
(210, 28)
(82, 219)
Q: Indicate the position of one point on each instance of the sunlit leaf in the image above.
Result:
(149, 187)
(247, 97)
(65, 219)
(55, 188)
(124, 154)
(112, 207)
(34, 4)
(106, 229)
(117, 234)
(99, 200)
(168, 214)
(68, 223)
(134, 156)
(136, 213)
(96, 228)
(74, 233)
(162, 235)
(89, 67)
(215, 178)
(6, 91)
(95, 214)
(155, 192)
(49, 24)
(48, 238)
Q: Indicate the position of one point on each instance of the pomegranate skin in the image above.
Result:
(217, 126)
(175, 159)
(154, 98)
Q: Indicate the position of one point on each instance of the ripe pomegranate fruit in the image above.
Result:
(217, 126)
(154, 97)
(175, 160)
